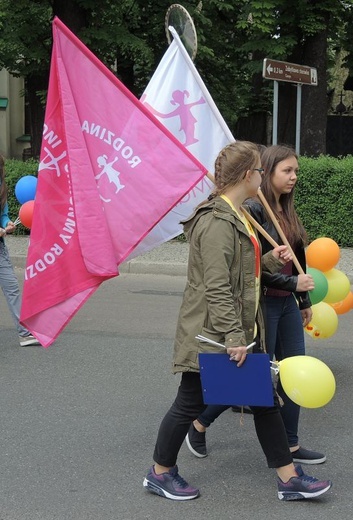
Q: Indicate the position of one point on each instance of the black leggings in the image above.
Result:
(187, 407)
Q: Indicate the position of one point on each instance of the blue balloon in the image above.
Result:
(25, 188)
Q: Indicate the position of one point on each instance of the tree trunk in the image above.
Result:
(287, 100)
(315, 99)
(75, 18)
(254, 126)
(34, 85)
(72, 15)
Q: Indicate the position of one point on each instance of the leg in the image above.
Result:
(272, 315)
(10, 288)
(290, 342)
(196, 437)
(272, 435)
(211, 413)
(163, 478)
(176, 423)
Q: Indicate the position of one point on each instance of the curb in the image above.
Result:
(169, 259)
(141, 267)
(132, 267)
(138, 267)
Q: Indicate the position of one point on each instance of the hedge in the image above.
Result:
(323, 196)
(14, 171)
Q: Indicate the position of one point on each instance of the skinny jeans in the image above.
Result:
(284, 338)
(187, 407)
(10, 288)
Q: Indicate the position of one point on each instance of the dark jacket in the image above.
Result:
(219, 300)
(278, 280)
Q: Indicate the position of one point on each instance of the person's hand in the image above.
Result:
(237, 354)
(2, 232)
(282, 254)
(305, 283)
(307, 315)
(10, 227)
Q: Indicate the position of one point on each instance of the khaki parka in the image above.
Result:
(219, 300)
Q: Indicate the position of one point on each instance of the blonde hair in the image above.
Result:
(232, 163)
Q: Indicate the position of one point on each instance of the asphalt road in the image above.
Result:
(79, 421)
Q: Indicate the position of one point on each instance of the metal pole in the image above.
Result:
(298, 119)
(275, 112)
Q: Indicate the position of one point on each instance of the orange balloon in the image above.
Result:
(344, 305)
(26, 213)
(323, 254)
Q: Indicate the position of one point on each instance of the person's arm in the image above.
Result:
(4, 218)
(279, 281)
(291, 283)
(8, 226)
(218, 250)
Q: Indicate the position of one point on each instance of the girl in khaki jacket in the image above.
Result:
(221, 302)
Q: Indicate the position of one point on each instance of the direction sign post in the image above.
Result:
(292, 73)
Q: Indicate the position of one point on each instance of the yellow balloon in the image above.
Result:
(307, 381)
(324, 322)
(338, 286)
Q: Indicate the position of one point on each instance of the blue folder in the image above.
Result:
(225, 383)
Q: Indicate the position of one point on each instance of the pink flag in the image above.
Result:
(109, 171)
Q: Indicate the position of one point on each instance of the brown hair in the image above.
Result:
(3, 187)
(288, 218)
(232, 163)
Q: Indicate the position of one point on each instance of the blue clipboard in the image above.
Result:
(225, 383)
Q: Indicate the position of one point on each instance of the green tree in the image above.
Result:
(119, 33)
(296, 31)
(234, 37)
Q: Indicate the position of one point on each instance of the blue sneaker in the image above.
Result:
(196, 442)
(302, 486)
(304, 456)
(169, 485)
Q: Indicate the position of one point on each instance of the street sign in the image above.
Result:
(290, 72)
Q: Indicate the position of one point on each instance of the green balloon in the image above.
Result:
(321, 285)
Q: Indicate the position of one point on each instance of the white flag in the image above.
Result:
(178, 97)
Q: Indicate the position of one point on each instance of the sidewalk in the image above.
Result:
(169, 258)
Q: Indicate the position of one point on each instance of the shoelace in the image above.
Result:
(180, 481)
(308, 478)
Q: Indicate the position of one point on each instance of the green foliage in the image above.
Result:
(129, 37)
(323, 198)
(14, 171)
(25, 36)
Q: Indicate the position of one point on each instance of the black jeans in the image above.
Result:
(189, 404)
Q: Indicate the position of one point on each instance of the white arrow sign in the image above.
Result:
(269, 69)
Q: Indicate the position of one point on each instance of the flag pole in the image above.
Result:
(279, 230)
(200, 83)
(259, 228)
